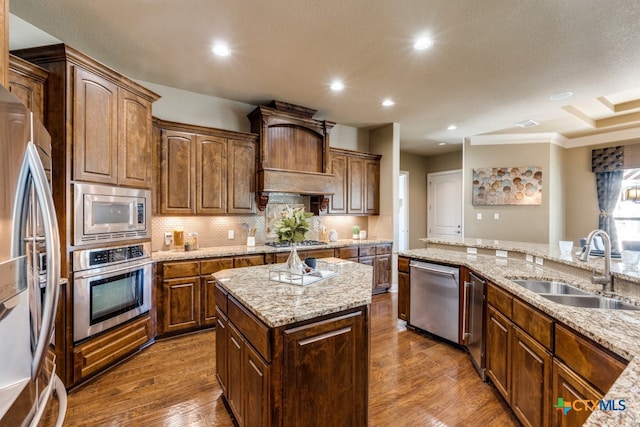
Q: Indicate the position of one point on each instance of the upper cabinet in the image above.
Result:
(102, 116)
(204, 171)
(26, 82)
(358, 188)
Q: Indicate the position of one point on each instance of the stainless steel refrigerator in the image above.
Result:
(29, 271)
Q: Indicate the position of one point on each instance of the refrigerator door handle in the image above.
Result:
(466, 335)
(32, 168)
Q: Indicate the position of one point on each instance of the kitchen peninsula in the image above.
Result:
(294, 355)
(570, 352)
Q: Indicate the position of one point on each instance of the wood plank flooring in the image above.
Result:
(414, 381)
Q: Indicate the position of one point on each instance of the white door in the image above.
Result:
(444, 199)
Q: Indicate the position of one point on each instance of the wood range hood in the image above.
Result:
(293, 154)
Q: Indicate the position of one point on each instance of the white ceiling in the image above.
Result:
(493, 62)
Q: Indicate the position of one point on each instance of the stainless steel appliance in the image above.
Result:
(435, 299)
(105, 213)
(473, 321)
(29, 271)
(110, 286)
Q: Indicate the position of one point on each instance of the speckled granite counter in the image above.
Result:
(278, 304)
(617, 330)
(221, 251)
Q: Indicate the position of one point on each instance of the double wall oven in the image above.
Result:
(113, 275)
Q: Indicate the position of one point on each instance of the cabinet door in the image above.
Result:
(248, 261)
(403, 296)
(222, 368)
(26, 82)
(177, 190)
(498, 352)
(134, 145)
(338, 201)
(569, 386)
(95, 128)
(211, 175)
(530, 380)
(235, 352)
(382, 273)
(256, 393)
(372, 187)
(325, 371)
(241, 164)
(208, 300)
(356, 180)
(181, 304)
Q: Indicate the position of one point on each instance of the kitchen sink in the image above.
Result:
(591, 301)
(550, 287)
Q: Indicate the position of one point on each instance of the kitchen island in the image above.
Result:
(575, 331)
(294, 355)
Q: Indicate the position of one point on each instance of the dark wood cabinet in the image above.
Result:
(403, 296)
(186, 297)
(358, 189)
(377, 256)
(498, 352)
(279, 376)
(204, 171)
(323, 368)
(530, 380)
(135, 140)
(569, 386)
(26, 82)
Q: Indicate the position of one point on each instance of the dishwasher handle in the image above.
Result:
(435, 268)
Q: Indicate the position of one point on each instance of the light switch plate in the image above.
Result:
(496, 216)
(479, 215)
(230, 234)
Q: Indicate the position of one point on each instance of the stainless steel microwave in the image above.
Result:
(105, 213)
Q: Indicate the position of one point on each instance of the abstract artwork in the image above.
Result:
(507, 186)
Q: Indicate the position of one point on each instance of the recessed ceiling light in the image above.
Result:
(561, 95)
(423, 43)
(387, 103)
(337, 85)
(221, 49)
(452, 127)
(442, 143)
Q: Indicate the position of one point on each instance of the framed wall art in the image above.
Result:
(507, 186)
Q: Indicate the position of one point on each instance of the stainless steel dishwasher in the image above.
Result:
(435, 299)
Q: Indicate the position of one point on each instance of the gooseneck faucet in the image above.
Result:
(605, 280)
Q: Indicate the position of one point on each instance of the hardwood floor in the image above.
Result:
(414, 381)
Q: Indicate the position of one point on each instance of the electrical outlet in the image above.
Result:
(496, 215)
(479, 215)
(230, 234)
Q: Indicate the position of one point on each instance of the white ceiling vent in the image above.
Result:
(526, 123)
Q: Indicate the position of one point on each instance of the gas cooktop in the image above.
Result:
(303, 243)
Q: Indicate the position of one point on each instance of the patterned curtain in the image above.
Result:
(608, 185)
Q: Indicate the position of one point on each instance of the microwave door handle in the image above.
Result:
(32, 167)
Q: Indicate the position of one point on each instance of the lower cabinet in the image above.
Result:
(186, 294)
(498, 351)
(377, 256)
(309, 373)
(569, 386)
(404, 281)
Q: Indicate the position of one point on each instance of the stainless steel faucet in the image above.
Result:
(605, 280)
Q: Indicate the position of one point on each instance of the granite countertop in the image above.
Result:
(221, 251)
(278, 304)
(617, 330)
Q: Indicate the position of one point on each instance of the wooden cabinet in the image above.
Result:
(404, 280)
(518, 364)
(569, 386)
(107, 349)
(279, 376)
(26, 82)
(322, 370)
(186, 297)
(358, 188)
(204, 171)
(377, 256)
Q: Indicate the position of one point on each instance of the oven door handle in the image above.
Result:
(129, 266)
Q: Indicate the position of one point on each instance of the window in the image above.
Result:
(627, 211)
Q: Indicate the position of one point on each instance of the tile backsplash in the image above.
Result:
(213, 230)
